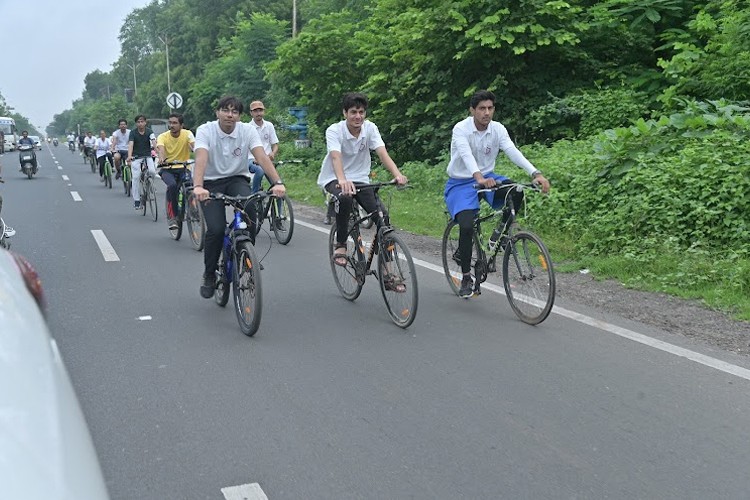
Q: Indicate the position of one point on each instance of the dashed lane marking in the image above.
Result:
(76, 196)
(251, 491)
(105, 247)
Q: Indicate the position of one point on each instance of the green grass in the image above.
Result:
(721, 283)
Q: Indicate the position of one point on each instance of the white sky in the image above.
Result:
(47, 47)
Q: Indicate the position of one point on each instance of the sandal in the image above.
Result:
(340, 258)
(394, 284)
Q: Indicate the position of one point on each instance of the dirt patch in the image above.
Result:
(676, 316)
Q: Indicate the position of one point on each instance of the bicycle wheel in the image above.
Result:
(92, 161)
(108, 174)
(246, 286)
(152, 205)
(195, 224)
(127, 181)
(451, 258)
(350, 278)
(143, 194)
(398, 280)
(282, 219)
(528, 277)
(221, 296)
(261, 212)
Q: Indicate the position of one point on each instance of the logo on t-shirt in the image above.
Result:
(237, 151)
(487, 150)
(362, 145)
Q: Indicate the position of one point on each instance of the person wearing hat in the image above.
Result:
(267, 133)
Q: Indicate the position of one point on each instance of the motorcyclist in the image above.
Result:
(25, 139)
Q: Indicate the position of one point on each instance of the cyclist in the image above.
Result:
(140, 144)
(88, 144)
(267, 133)
(475, 145)
(349, 143)
(81, 141)
(120, 138)
(175, 144)
(71, 139)
(103, 148)
(221, 152)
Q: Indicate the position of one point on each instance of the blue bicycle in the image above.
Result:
(239, 265)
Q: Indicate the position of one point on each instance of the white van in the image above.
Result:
(9, 132)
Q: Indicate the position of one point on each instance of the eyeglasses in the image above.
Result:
(232, 111)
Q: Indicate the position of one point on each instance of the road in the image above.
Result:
(331, 400)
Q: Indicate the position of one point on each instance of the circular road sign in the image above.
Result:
(174, 100)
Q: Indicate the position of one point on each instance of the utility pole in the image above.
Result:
(294, 18)
(135, 82)
(165, 41)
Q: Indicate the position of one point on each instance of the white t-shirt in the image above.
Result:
(355, 151)
(89, 141)
(267, 133)
(121, 139)
(71, 138)
(102, 146)
(475, 150)
(227, 153)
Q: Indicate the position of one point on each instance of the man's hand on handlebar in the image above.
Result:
(201, 193)
(487, 182)
(542, 182)
(347, 188)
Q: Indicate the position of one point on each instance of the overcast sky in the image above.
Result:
(49, 46)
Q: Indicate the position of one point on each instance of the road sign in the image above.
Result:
(174, 100)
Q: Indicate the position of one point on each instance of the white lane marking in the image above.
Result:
(76, 196)
(107, 250)
(59, 167)
(144, 318)
(717, 364)
(251, 491)
(66, 178)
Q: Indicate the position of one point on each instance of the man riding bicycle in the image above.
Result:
(120, 139)
(71, 140)
(103, 147)
(348, 161)
(221, 152)
(174, 145)
(140, 143)
(89, 142)
(267, 133)
(475, 145)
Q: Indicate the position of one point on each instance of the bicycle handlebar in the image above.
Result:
(184, 163)
(236, 199)
(518, 186)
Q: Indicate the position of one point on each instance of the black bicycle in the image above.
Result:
(189, 209)
(527, 272)
(395, 269)
(240, 266)
(278, 211)
(146, 189)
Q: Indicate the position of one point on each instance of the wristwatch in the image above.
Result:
(535, 173)
(279, 182)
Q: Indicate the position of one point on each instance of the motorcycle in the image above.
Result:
(55, 141)
(6, 232)
(27, 157)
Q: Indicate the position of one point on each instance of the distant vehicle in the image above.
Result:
(46, 451)
(9, 132)
(37, 141)
(157, 125)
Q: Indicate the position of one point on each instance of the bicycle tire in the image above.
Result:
(196, 225)
(450, 259)
(282, 224)
(350, 279)
(246, 288)
(221, 295)
(395, 262)
(152, 203)
(528, 277)
(127, 182)
(260, 211)
(92, 160)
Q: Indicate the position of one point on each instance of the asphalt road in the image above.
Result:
(330, 400)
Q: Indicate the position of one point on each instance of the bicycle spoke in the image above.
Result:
(398, 280)
(528, 277)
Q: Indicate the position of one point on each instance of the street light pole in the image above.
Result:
(135, 82)
(165, 41)
(294, 18)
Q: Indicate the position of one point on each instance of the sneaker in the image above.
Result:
(173, 224)
(327, 221)
(137, 205)
(208, 285)
(117, 175)
(467, 287)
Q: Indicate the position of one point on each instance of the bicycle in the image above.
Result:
(395, 269)
(107, 173)
(239, 266)
(279, 213)
(92, 159)
(527, 272)
(188, 208)
(146, 189)
(127, 178)
(367, 222)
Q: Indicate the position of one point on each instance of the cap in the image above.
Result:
(256, 105)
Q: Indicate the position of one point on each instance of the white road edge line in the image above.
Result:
(717, 364)
(76, 196)
(107, 250)
(251, 491)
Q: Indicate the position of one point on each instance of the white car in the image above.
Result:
(37, 141)
(45, 446)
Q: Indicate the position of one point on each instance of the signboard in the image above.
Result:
(174, 100)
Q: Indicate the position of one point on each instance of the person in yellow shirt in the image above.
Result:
(174, 145)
